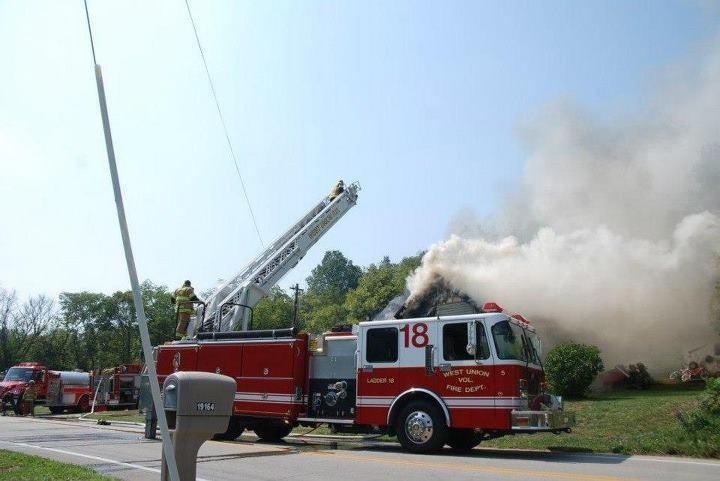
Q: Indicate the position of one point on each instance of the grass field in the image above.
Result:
(22, 467)
(628, 422)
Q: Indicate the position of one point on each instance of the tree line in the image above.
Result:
(90, 330)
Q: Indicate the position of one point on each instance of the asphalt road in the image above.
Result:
(120, 451)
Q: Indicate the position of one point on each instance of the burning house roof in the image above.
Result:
(439, 300)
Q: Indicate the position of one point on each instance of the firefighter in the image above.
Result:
(28, 399)
(182, 298)
(337, 190)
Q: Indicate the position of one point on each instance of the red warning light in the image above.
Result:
(491, 307)
(520, 318)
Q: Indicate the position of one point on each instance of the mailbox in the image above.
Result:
(198, 405)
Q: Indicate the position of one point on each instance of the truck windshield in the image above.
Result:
(514, 342)
(18, 374)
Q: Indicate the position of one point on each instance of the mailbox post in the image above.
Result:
(146, 407)
(198, 405)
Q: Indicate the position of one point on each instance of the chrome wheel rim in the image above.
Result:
(419, 427)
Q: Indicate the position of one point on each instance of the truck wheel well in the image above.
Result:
(411, 395)
(83, 404)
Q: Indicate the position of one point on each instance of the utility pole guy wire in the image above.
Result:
(137, 298)
(222, 121)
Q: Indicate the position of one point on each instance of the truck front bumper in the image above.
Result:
(534, 421)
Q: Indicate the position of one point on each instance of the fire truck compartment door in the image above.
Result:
(267, 382)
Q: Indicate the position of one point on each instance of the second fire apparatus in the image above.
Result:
(118, 388)
(73, 390)
(58, 390)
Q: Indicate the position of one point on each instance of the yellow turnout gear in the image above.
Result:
(182, 300)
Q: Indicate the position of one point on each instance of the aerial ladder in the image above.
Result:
(229, 307)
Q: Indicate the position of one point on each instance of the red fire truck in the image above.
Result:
(118, 387)
(73, 390)
(59, 390)
(17, 378)
(431, 381)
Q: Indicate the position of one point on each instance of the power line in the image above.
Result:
(222, 121)
(92, 42)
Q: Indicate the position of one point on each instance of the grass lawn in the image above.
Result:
(628, 422)
(125, 415)
(23, 467)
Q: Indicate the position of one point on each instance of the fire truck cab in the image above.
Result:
(432, 381)
(18, 377)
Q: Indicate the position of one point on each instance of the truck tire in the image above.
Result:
(234, 430)
(463, 439)
(421, 427)
(272, 432)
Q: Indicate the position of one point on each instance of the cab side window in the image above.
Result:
(455, 341)
(381, 344)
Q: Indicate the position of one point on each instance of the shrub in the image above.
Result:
(570, 368)
(702, 422)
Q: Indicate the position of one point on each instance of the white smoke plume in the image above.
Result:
(613, 238)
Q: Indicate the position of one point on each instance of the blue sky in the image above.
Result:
(418, 101)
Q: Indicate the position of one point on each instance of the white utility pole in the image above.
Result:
(137, 297)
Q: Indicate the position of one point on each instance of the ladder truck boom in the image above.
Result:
(229, 304)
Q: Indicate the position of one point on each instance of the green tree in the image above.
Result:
(274, 311)
(53, 349)
(319, 316)
(334, 276)
(84, 317)
(8, 304)
(378, 286)
(159, 312)
(327, 286)
(122, 337)
(102, 329)
(22, 325)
